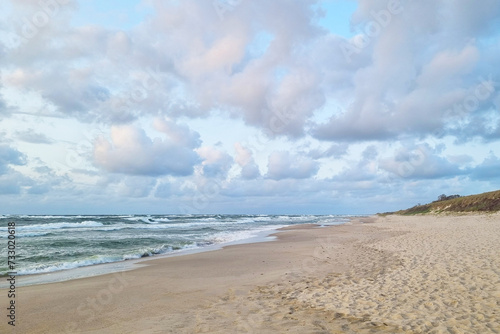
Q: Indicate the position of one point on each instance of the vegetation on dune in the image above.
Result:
(486, 202)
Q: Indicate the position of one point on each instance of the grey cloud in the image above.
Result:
(470, 20)
(420, 162)
(272, 71)
(335, 151)
(13, 182)
(39, 189)
(277, 188)
(136, 186)
(9, 185)
(461, 159)
(5, 109)
(370, 153)
(249, 169)
(216, 163)
(178, 133)
(163, 190)
(131, 151)
(488, 170)
(405, 90)
(10, 156)
(282, 165)
(31, 136)
(43, 170)
(365, 170)
(268, 85)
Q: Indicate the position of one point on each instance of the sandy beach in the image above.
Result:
(394, 274)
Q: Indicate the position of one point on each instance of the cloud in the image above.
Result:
(131, 151)
(30, 136)
(362, 173)
(273, 72)
(488, 170)
(231, 67)
(335, 151)
(163, 190)
(420, 162)
(5, 110)
(244, 158)
(39, 189)
(136, 186)
(179, 134)
(419, 70)
(424, 71)
(11, 184)
(282, 165)
(12, 181)
(10, 156)
(250, 171)
(216, 163)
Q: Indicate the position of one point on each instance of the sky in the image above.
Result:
(239, 106)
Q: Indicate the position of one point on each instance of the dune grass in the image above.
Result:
(486, 202)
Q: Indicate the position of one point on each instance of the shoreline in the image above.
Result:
(425, 274)
(116, 265)
(127, 265)
(132, 264)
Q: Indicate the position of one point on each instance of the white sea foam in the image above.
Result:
(144, 219)
(26, 235)
(144, 252)
(226, 237)
(149, 251)
(153, 235)
(47, 217)
(163, 219)
(47, 268)
(54, 226)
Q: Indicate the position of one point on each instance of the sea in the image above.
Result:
(47, 244)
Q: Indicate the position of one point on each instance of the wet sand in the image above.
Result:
(421, 274)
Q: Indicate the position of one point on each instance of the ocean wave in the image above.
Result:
(131, 237)
(54, 226)
(149, 251)
(45, 217)
(47, 268)
(226, 237)
(147, 220)
(164, 219)
(26, 235)
(100, 259)
(159, 226)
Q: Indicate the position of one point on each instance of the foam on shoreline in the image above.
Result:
(114, 266)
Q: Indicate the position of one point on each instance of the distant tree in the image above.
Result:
(442, 197)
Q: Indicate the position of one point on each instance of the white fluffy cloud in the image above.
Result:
(216, 163)
(244, 158)
(131, 151)
(417, 60)
(421, 66)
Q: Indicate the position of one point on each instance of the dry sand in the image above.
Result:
(422, 274)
